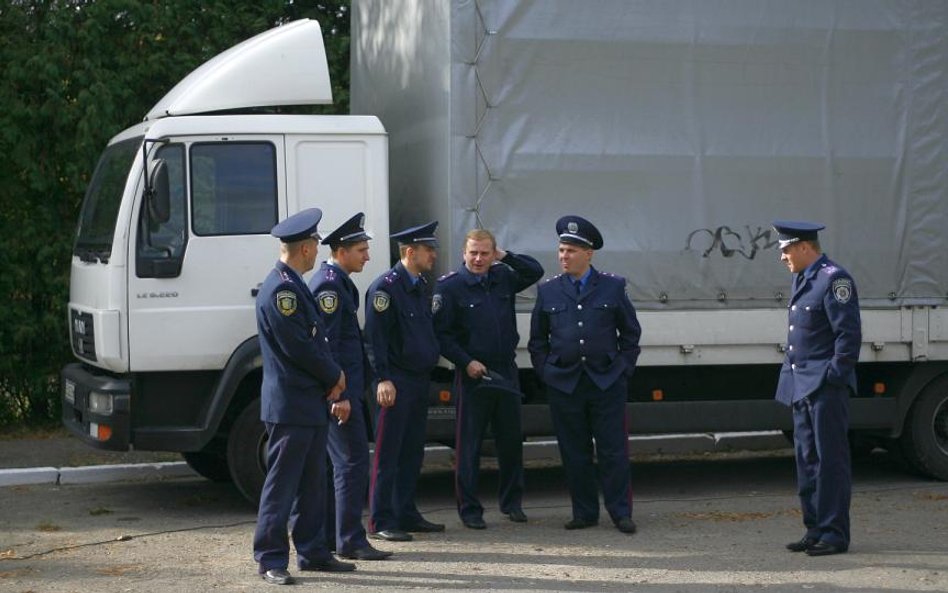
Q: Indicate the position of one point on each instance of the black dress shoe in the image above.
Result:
(625, 525)
(391, 535)
(425, 526)
(517, 516)
(801, 546)
(331, 565)
(367, 553)
(824, 549)
(474, 523)
(277, 576)
(580, 523)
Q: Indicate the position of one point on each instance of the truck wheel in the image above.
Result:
(247, 452)
(208, 464)
(925, 437)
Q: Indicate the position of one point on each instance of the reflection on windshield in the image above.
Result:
(103, 198)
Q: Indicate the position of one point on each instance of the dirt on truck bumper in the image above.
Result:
(96, 407)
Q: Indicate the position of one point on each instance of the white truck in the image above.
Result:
(680, 129)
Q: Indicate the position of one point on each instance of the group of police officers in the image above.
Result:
(584, 343)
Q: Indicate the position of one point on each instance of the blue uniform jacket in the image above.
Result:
(596, 332)
(476, 320)
(824, 332)
(337, 303)
(399, 331)
(298, 368)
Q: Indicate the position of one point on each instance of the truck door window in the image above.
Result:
(160, 249)
(234, 188)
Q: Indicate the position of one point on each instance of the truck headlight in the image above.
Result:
(100, 403)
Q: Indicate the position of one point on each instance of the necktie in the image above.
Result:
(579, 287)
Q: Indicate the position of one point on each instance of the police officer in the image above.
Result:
(477, 329)
(817, 379)
(299, 376)
(402, 349)
(337, 300)
(584, 343)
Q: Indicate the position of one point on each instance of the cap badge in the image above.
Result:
(572, 227)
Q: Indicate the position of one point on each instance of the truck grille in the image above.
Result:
(83, 335)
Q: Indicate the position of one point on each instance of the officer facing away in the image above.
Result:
(299, 376)
(584, 343)
(477, 329)
(337, 300)
(402, 349)
(817, 379)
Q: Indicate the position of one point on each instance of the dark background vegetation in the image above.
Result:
(72, 75)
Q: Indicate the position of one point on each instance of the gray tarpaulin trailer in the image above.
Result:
(682, 129)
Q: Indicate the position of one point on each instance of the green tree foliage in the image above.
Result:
(74, 73)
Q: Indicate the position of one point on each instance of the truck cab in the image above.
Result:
(173, 241)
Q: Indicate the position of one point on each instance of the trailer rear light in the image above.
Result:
(444, 396)
(658, 395)
(100, 403)
(878, 388)
(101, 432)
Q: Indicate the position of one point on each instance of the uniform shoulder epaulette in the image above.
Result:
(611, 275)
(552, 279)
(284, 276)
(390, 277)
(829, 269)
(330, 274)
(444, 277)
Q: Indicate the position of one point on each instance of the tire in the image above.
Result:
(208, 464)
(925, 436)
(246, 452)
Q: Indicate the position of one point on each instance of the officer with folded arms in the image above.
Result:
(584, 343)
(300, 383)
(402, 350)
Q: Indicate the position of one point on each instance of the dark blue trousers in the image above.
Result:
(824, 475)
(579, 418)
(296, 462)
(399, 453)
(349, 453)
(474, 411)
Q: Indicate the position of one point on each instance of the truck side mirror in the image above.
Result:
(158, 198)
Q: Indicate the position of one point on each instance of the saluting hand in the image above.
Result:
(338, 388)
(385, 394)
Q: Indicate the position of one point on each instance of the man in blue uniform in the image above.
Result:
(299, 376)
(817, 379)
(402, 350)
(337, 300)
(477, 329)
(584, 343)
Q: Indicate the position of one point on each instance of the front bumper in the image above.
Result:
(96, 407)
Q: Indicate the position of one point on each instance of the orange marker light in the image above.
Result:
(658, 395)
(444, 396)
(104, 433)
(878, 388)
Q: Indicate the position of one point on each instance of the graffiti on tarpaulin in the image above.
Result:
(730, 242)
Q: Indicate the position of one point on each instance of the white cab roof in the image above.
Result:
(283, 66)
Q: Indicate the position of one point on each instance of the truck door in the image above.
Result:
(192, 279)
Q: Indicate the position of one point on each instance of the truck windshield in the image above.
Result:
(103, 198)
